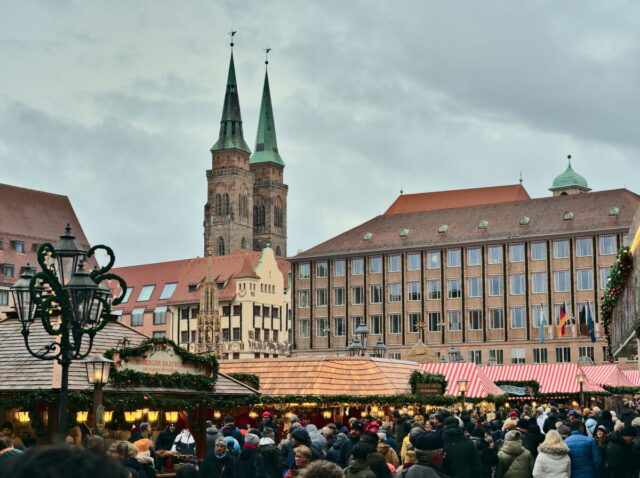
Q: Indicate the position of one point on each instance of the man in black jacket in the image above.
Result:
(267, 422)
(621, 462)
(270, 453)
(230, 429)
(357, 428)
(461, 456)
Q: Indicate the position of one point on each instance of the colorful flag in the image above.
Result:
(590, 325)
(542, 324)
(563, 320)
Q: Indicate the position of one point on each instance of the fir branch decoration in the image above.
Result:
(247, 378)
(417, 377)
(615, 285)
(132, 378)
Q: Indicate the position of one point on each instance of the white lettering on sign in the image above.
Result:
(159, 361)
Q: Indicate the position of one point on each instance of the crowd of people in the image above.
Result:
(540, 442)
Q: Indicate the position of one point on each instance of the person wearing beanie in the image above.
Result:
(250, 463)
(401, 427)
(514, 460)
(488, 455)
(428, 448)
(230, 429)
(268, 422)
(462, 459)
(586, 460)
(136, 434)
(357, 429)
(535, 436)
(299, 437)
(145, 458)
(602, 439)
(385, 450)
(211, 434)
(333, 455)
(358, 466)
(270, 453)
(220, 463)
(621, 461)
(370, 439)
(553, 458)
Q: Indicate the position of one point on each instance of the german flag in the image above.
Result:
(563, 320)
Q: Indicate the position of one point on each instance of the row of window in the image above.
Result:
(147, 291)
(434, 323)
(583, 248)
(561, 281)
(539, 355)
(18, 246)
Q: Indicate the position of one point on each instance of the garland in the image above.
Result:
(127, 378)
(534, 385)
(247, 378)
(417, 377)
(621, 390)
(615, 286)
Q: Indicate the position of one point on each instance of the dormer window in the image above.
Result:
(568, 216)
(367, 236)
(483, 224)
(443, 228)
(525, 220)
(192, 288)
(614, 211)
(404, 232)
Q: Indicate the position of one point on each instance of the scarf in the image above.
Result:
(249, 445)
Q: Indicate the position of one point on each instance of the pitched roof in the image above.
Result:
(479, 385)
(590, 213)
(457, 198)
(552, 377)
(33, 217)
(327, 376)
(609, 375)
(191, 272)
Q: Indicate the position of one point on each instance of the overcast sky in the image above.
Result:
(116, 104)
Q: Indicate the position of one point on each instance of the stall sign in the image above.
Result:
(429, 389)
(515, 390)
(164, 361)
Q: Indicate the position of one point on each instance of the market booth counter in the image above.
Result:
(151, 380)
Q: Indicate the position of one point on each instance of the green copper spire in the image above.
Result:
(231, 123)
(266, 144)
(569, 178)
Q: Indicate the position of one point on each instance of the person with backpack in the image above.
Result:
(514, 461)
(184, 443)
(250, 463)
(461, 458)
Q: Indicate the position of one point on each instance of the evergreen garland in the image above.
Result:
(621, 390)
(417, 377)
(133, 378)
(249, 379)
(615, 286)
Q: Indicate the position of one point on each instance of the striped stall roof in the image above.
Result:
(553, 378)
(633, 376)
(609, 375)
(479, 384)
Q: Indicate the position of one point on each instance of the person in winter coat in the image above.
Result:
(211, 434)
(586, 460)
(628, 413)
(552, 419)
(358, 466)
(602, 439)
(125, 453)
(270, 453)
(621, 462)
(553, 458)
(250, 463)
(514, 460)
(428, 449)
(357, 429)
(219, 463)
(333, 455)
(606, 420)
(385, 450)
(401, 427)
(406, 443)
(268, 422)
(535, 438)
(230, 429)
(167, 437)
(317, 439)
(462, 459)
(143, 455)
(185, 443)
(302, 458)
(488, 455)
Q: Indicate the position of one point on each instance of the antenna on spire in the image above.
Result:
(520, 177)
(401, 191)
(266, 55)
(569, 158)
(232, 33)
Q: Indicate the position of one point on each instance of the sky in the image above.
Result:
(116, 104)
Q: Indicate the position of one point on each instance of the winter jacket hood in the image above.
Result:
(555, 451)
(512, 447)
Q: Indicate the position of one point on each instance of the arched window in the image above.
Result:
(226, 204)
(221, 246)
(218, 205)
(278, 214)
(262, 215)
(258, 213)
(243, 243)
(278, 251)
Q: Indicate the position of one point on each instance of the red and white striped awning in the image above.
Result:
(479, 385)
(553, 378)
(609, 375)
(633, 376)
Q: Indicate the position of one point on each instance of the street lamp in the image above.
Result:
(355, 348)
(581, 378)
(454, 355)
(462, 388)
(68, 302)
(362, 332)
(379, 349)
(98, 369)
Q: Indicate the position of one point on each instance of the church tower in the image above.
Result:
(228, 214)
(269, 190)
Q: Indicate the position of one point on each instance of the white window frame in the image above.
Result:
(336, 328)
(536, 290)
(491, 292)
(580, 274)
(397, 297)
(517, 279)
(491, 317)
(372, 294)
(430, 256)
(304, 327)
(534, 256)
(353, 295)
(535, 315)
(603, 278)
(438, 320)
(439, 291)
(494, 260)
(357, 271)
(520, 355)
(392, 317)
(322, 292)
(372, 261)
(557, 251)
(413, 328)
(459, 314)
(304, 270)
(394, 263)
(417, 293)
(376, 324)
(335, 296)
(539, 351)
(301, 293)
(339, 271)
(321, 331)
(601, 244)
(498, 356)
(523, 310)
(477, 261)
(584, 240)
(555, 280)
(412, 265)
(322, 269)
(449, 290)
(471, 312)
(478, 284)
(512, 247)
(451, 253)
(563, 351)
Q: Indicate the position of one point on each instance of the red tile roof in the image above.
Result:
(33, 217)
(591, 213)
(457, 198)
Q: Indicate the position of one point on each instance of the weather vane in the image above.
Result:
(266, 55)
(232, 33)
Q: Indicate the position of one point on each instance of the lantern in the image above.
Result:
(326, 414)
(138, 414)
(81, 417)
(171, 416)
(152, 415)
(108, 416)
(68, 254)
(98, 369)
(129, 417)
(253, 415)
(217, 414)
(23, 417)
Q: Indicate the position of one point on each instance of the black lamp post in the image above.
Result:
(355, 348)
(462, 388)
(581, 378)
(454, 355)
(362, 332)
(98, 369)
(379, 349)
(68, 302)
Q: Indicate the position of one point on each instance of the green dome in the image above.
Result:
(569, 179)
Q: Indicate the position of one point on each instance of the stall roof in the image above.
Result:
(633, 376)
(19, 371)
(479, 385)
(553, 378)
(609, 375)
(359, 376)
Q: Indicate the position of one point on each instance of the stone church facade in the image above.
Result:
(246, 196)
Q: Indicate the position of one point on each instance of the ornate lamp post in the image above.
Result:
(379, 349)
(69, 304)
(355, 348)
(462, 388)
(454, 355)
(98, 369)
(581, 378)
(362, 332)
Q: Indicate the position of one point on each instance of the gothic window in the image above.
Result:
(218, 205)
(226, 204)
(278, 215)
(243, 243)
(259, 214)
(262, 215)
(278, 251)
(220, 246)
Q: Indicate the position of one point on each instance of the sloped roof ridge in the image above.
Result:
(463, 189)
(33, 190)
(163, 263)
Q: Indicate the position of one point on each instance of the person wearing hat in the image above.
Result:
(211, 434)
(357, 429)
(621, 461)
(553, 458)
(514, 460)
(270, 453)
(602, 439)
(250, 463)
(428, 448)
(488, 454)
(268, 422)
(6, 430)
(220, 463)
(401, 427)
(299, 437)
(586, 459)
(358, 466)
(333, 455)
(462, 459)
